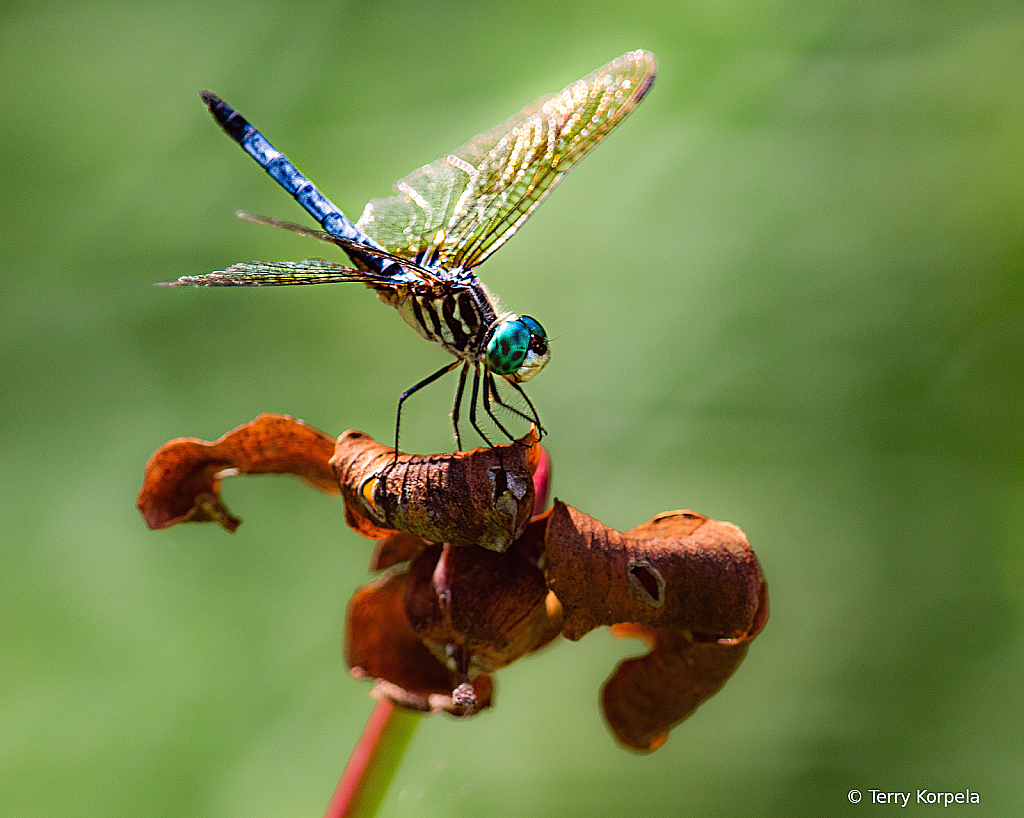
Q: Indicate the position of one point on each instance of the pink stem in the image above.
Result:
(376, 756)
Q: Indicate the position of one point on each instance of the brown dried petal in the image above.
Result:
(648, 695)
(395, 549)
(680, 570)
(484, 497)
(182, 479)
(484, 608)
(689, 585)
(380, 644)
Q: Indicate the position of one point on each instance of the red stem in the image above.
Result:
(366, 755)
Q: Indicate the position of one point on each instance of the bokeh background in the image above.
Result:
(787, 292)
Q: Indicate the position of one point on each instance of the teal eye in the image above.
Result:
(517, 348)
(508, 345)
(538, 338)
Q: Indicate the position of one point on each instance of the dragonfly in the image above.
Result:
(419, 250)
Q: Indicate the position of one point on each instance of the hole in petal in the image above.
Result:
(499, 479)
(647, 584)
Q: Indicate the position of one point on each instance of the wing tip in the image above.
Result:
(649, 65)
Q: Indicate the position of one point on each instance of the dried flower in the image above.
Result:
(475, 576)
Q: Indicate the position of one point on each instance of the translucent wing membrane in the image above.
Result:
(456, 211)
(275, 274)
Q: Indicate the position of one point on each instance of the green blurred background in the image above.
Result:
(787, 293)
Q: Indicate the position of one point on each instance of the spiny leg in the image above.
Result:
(534, 418)
(413, 389)
(458, 403)
(472, 405)
(489, 386)
(522, 393)
(514, 410)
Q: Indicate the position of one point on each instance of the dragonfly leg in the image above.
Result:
(458, 403)
(489, 388)
(472, 405)
(533, 417)
(416, 387)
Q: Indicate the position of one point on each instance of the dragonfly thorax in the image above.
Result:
(459, 320)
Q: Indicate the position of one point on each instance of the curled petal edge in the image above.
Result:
(182, 478)
(649, 695)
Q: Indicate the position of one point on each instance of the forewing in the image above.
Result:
(456, 211)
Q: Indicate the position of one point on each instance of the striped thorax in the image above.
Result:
(468, 323)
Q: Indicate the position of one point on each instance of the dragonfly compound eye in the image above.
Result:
(507, 346)
(518, 349)
(538, 338)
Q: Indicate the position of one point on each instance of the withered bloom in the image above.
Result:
(475, 576)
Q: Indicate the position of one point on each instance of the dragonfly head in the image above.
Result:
(517, 348)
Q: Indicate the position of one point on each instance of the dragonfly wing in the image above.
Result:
(275, 273)
(412, 224)
(459, 209)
